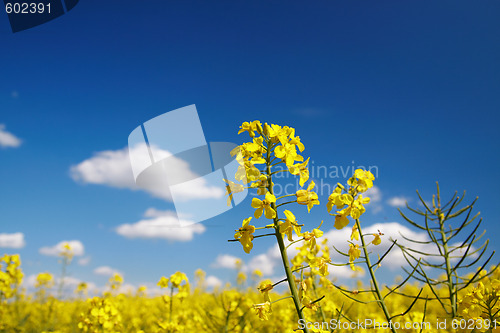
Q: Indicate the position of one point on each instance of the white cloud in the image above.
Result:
(345, 272)
(164, 225)
(213, 281)
(265, 262)
(225, 261)
(108, 167)
(153, 212)
(8, 139)
(152, 289)
(127, 288)
(397, 201)
(113, 168)
(375, 196)
(428, 203)
(13, 241)
(29, 281)
(394, 259)
(268, 261)
(106, 271)
(84, 261)
(70, 283)
(76, 246)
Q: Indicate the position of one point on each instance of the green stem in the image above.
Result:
(300, 268)
(280, 299)
(378, 294)
(449, 274)
(491, 317)
(226, 328)
(281, 244)
(171, 303)
(275, 284)
(323, 317)
(284, 196)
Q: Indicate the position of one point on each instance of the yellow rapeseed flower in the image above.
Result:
(177, 278)
(250, 127)
(354, 252)
(44, 280)
(245, 235)
(302, 170)
(265, 287)
(362, 180)
(357, 207)
(355, 233)
(307, 197)
(288, 154)
(338, 199)
(290, 224)
(263, 310)
(232, 188)
(321, 264)
(261, 185)
(264, 206)
(341, 219)
(163, 283)
(311, 236)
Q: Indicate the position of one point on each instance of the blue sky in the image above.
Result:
(411, 88)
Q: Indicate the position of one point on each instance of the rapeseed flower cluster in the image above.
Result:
(11, 275)
(274, 149)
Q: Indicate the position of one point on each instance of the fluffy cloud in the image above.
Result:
(394, 230)
(225, 261)
(13, 241)
(164, 225)
(8, 139)
(76, 246)
(375, 196)
(106, 271)
(394, 259)
(70, 283)
(265, 262)
(213, 281)
(112, 168)
(428, 203)
(397, 202)
(84, 261)
(29, 281)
